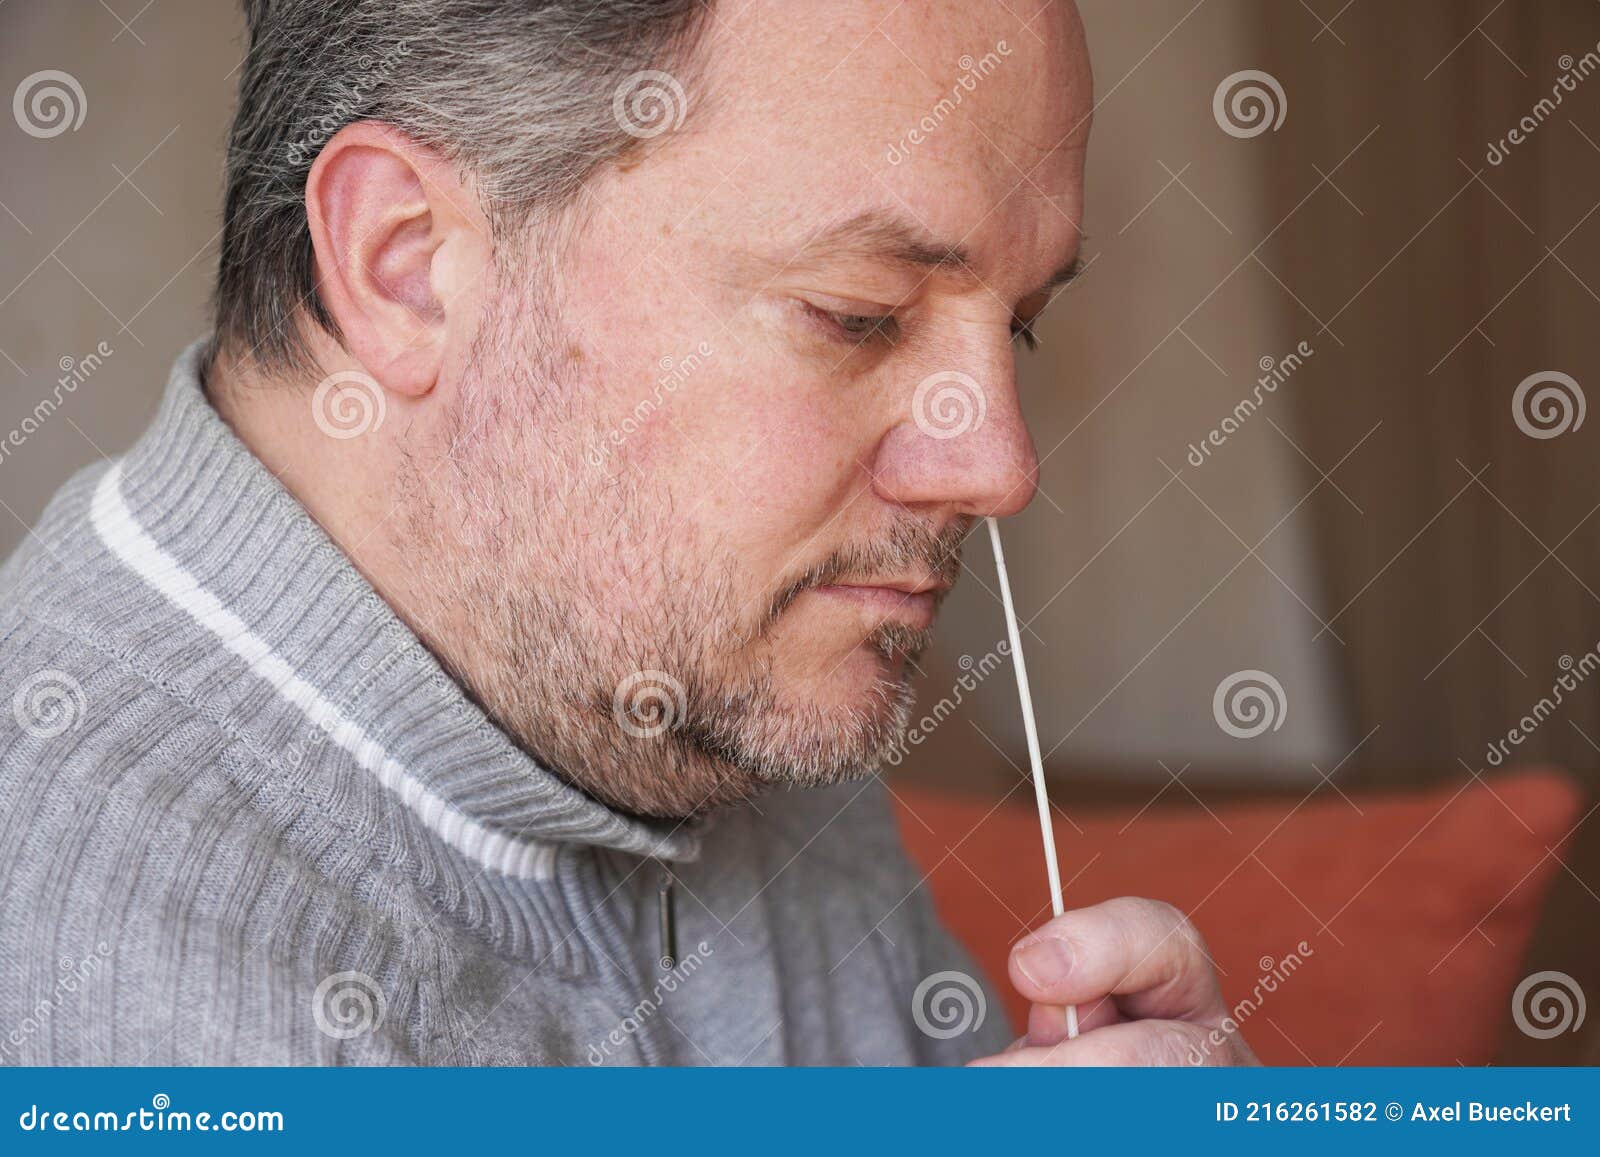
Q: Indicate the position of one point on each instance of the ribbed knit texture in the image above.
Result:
(239, 798)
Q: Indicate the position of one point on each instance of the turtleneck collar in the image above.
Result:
(320, 670)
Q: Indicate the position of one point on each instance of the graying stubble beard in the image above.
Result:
(509, 531)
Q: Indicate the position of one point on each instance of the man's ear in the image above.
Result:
(399, 242)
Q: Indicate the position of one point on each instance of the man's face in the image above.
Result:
(712, 467)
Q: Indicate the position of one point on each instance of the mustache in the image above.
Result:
(909, 543)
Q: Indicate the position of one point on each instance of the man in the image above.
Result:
(571, 466)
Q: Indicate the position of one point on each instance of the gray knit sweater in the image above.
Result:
(246, 818)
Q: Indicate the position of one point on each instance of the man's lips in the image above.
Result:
(913, 604)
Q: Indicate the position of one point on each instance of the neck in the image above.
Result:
(344, 479)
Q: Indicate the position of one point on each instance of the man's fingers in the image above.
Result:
(1135, 1043)
(1142, 951)
(1047, 1023)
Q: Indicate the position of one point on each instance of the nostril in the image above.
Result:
(1015, 485)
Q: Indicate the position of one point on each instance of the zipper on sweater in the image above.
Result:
(666, 920)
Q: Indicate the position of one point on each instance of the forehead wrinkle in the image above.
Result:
(889, 238)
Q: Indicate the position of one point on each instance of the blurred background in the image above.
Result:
(1313, 569)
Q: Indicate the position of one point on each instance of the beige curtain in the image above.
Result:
(1462, 555)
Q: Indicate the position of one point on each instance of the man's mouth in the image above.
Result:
(912, 602)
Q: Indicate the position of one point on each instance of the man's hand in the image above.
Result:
(1143, 984)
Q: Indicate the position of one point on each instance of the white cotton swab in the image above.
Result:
(1046, 828)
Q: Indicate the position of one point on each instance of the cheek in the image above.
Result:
(748, 447)
(759, 477)
(792, 461)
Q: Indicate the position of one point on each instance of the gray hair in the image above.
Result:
(528, 96)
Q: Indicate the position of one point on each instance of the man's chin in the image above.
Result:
(813, 737)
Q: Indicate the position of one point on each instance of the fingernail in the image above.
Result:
(1045, 962)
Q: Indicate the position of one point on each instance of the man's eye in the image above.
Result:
(865, 326)
(856, 329)
(1023, 331)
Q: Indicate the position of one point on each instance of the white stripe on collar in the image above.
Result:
(128, 540)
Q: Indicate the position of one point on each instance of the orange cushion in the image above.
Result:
(1416, 909)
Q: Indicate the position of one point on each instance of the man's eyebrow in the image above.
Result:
(895, 240)
(892, 240)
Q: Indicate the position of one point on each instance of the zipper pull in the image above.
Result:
(666, 921)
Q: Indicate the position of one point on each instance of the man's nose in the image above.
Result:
(961, 443)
